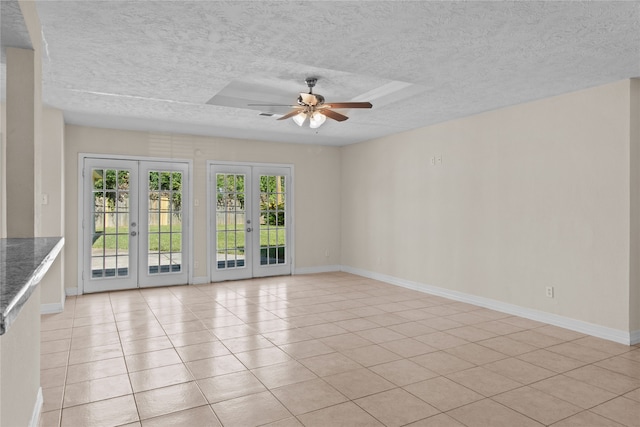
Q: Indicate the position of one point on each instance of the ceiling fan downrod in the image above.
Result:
(311, 82)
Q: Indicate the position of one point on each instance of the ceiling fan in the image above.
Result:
(312, 106)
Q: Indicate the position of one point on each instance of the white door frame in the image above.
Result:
(188, 217)
(211, 217)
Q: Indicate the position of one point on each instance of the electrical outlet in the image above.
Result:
(549, 291)
(196, 264)
(433, 160)
(439, 159)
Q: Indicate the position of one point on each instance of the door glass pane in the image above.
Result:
(165, 222)
(272, 219)
(230, 221)
(110, 225)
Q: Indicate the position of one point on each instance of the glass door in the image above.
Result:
(232, 226)
(251, 224)
(135, 228)
(163, 252)
(110, 225)
(271, 188)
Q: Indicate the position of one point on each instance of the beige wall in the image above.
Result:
(49, 179)
(316, 183)
(21, 124)
(20, 345)
(20, 365)
(50, 166)
(3, 168)
(634, 256)
(526, 197)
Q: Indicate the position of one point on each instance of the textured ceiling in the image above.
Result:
(153, 65)
(13, 33)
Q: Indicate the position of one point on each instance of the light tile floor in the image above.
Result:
(323, 350)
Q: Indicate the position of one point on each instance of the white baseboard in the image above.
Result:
(55, 307)
(200, 280)
(319, 269)
(616, 335)
(70, 292)
(37, 409)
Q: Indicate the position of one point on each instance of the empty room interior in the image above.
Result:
(292, 213)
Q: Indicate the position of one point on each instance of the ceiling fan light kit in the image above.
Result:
(300, 118)
(312, 106)
(316, 120)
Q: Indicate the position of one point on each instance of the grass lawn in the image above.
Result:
(161, 236)
(157, 234)
(234, 238)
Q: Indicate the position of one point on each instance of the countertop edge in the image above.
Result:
(7, 316)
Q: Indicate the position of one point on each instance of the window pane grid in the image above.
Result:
(272, 219)
(110, 233)
(165, 222)
(230, 235)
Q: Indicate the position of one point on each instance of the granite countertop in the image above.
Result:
(23, 263)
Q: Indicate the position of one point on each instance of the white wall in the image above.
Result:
(317, 185)
(526, 197)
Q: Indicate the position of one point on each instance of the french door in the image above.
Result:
(251, 221)
(135, 228)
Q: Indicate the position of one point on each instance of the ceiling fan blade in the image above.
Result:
(309, 98)
(271, 105)
(333, 115)
(349, 105)
(291, 114)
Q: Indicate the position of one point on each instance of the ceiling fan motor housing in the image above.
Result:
(319, 100)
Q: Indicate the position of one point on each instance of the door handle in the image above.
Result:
(134, 233)
(249, 229)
